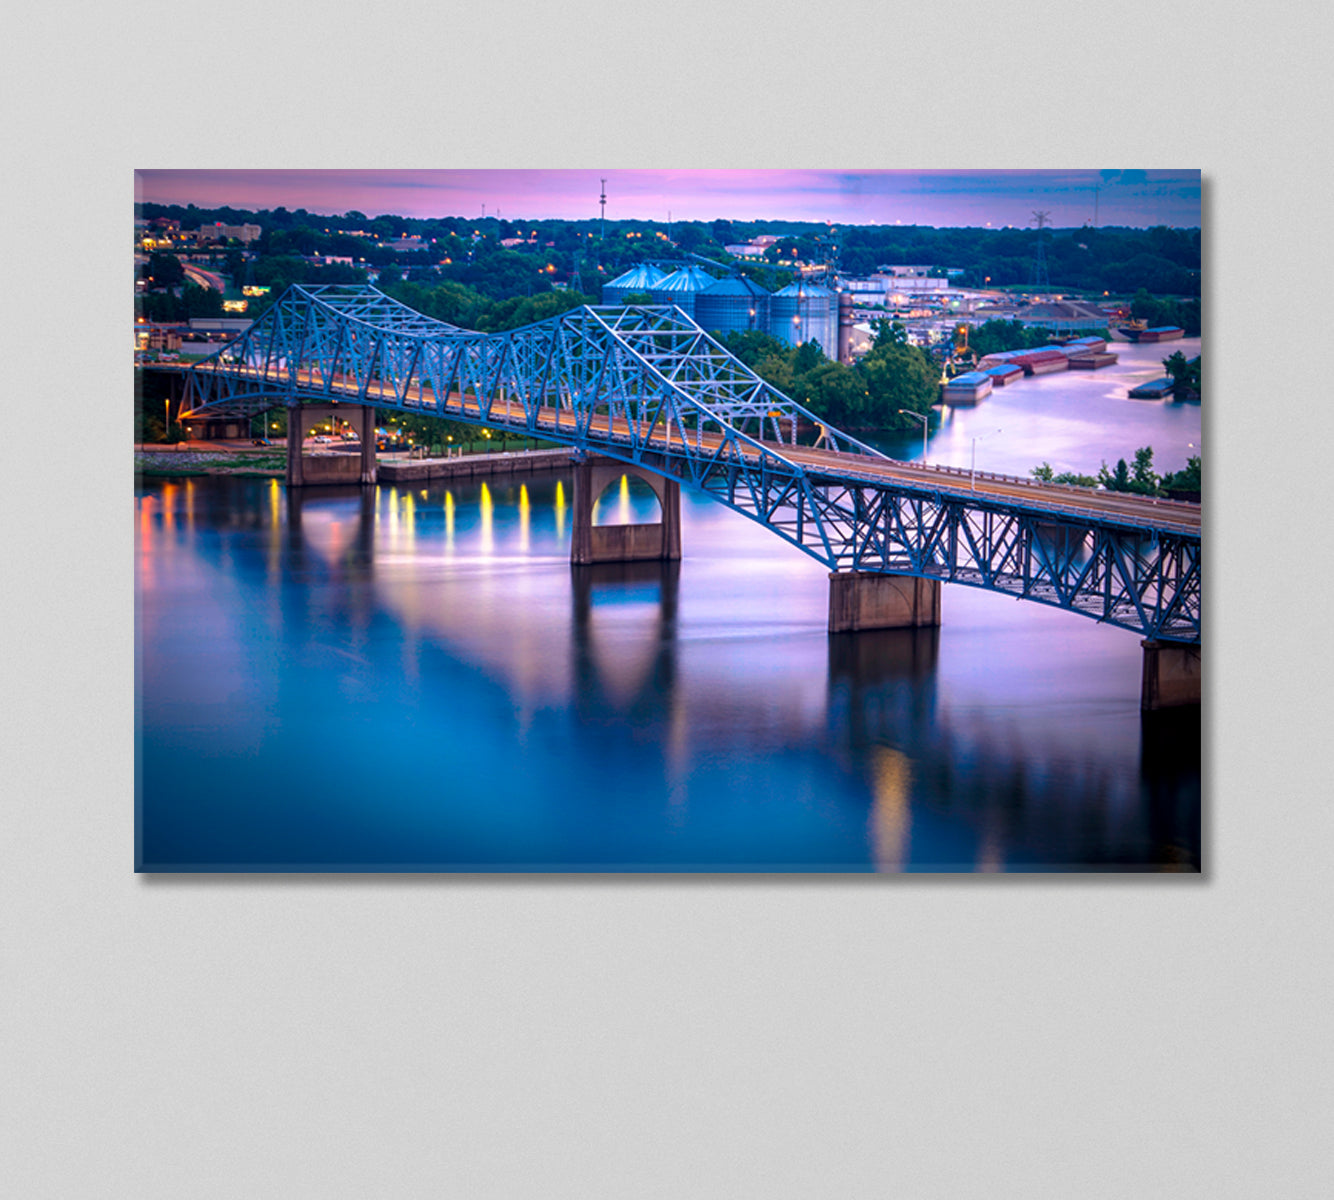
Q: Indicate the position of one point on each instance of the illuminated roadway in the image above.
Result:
(1138, 511)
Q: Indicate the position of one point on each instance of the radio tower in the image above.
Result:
(602, 229)
(1040, 279)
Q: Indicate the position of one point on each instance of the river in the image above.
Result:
(416, 679)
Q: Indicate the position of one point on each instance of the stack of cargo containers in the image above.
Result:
(643, 278)
(966, 389)
(1040, 362)
(1086, 345)
(682, 288)
(1091, 360)
(1003, 374)
(1158, 333)
(805, 312)
(733, 305)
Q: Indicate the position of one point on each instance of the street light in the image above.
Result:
(972, 470)
(926, 424)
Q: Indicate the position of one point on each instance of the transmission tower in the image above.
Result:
(602, 229)
(1040, 279)
(576, 284)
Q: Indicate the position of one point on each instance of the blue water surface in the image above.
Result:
(395, 679)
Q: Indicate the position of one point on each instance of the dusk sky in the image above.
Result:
(940, 198)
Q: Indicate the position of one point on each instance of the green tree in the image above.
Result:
(750, 346)
(996, 337)
(1185, 376)
(1184, 484)
(1142, 476)
(776, 370)
(896, 375)
(1139, 479)
(809, 355)
(1118, 481)
(517, 311)
(835, 392)
(164, 270)
(199, 301)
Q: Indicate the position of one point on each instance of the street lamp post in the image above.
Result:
(972, 470)
(926, 424)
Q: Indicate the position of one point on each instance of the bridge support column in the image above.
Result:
(331, 467)
(622, 543)
(871, 600)
(296, 435)
(366, 431)
(1171, 675)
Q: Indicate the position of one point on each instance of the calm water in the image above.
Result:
(1072, 419)
(417, 679)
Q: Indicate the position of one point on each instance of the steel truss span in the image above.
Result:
(646, 385)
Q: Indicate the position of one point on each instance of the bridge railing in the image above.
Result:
(1175, 514)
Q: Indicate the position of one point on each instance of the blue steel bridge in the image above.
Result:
(647, 386)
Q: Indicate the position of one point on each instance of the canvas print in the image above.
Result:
(668, 521)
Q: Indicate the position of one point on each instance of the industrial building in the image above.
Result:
(682, 288)
(733, 305)
(643, 278)
(217, 231)
(805, 312)
(1066, 316)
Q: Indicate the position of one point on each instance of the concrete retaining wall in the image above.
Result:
(421, 469)
(331, 468)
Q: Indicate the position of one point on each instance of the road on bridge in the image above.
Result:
(1058, 499)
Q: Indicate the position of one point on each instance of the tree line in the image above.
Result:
(865, 397)
(1137, 478)
(1165, 261)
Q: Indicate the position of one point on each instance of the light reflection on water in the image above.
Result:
(386, 679)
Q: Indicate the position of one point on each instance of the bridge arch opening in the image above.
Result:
(627, 500)
(606, 484)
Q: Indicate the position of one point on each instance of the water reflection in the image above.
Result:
(394, 679)
(1074, 420)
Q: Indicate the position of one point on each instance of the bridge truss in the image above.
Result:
(646, 385)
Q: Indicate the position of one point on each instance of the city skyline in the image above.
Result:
(1135, 198)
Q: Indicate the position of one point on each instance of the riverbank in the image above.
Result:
(166, 461)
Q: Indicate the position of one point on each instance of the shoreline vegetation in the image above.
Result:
(1137, 478)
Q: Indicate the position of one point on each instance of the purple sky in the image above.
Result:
(1137, 198)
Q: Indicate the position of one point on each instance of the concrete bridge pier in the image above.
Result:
(622, 543)
(872, 600)
(1171, 676)
(303, 470)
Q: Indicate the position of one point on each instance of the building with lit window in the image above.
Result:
(218, 232)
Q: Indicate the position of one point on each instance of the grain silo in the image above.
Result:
(732, 305)
(682, 288)
(805, 312)
(643, 278)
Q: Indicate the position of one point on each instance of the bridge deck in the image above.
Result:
(1060, 501)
